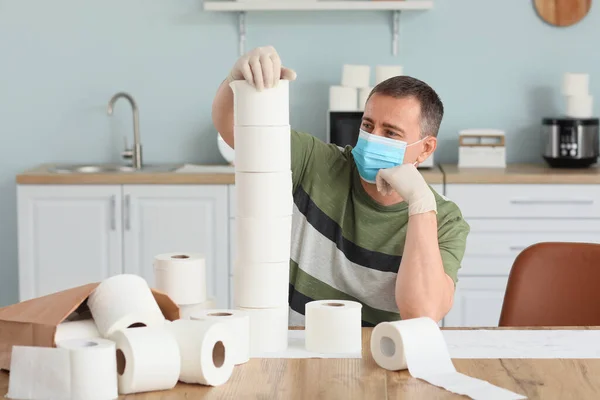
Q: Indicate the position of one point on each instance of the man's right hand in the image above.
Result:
(261, 67)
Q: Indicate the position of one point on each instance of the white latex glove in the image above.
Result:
(260, 67)
(408, 182)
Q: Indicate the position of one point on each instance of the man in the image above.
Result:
(366, 225)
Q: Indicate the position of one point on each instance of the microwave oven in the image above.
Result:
(343, 128)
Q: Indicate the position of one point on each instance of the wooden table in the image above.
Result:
(363, 379)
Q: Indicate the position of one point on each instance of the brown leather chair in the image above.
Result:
(554, 284)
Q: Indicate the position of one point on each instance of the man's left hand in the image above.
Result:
(408, 182)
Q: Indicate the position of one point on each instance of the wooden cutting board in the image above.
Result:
(562, 12)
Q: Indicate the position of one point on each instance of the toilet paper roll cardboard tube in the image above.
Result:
(33, 322)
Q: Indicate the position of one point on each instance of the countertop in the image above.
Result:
(520, 174)
(198, 174)
(225, 175)
(362, 378)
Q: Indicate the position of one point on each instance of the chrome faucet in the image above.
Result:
(134, 154)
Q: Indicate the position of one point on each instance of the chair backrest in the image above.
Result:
(554, 284)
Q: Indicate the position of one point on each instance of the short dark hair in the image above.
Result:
(432, 108)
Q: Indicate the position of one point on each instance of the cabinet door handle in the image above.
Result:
(127, 212)
(517, 248)
(551, 201)
(113, 212)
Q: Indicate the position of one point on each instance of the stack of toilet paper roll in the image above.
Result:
(263, 185)
(182, 276)
(127, 347)
(580, 102)
(356, 87)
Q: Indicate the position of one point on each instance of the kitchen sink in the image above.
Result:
(110, 168)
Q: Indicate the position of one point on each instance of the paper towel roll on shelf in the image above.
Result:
(580, 106)
(261, 284)
(264, 194)
(385, 72)
(356, 76)
(148, 359)
(238, 322)
(262, 149)
(182, 276)
(269, 107)
(343, 98)
(206, 351)
(575, 84)
(123, 301)
(333, 326)
(84, 329)
(363, 95)
(93, 368)
(418, 345)
(268, 329)
(186, 311)
(263, 239)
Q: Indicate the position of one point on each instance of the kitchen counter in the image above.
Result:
(196, 175)
(520, 174)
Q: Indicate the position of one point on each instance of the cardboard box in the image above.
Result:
(33, 322)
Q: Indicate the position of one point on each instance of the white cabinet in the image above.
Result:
(177, 218)
(477, 302)
(72, 235)
(68, 236)
(504, 220)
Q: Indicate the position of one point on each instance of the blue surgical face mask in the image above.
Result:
(373, 153)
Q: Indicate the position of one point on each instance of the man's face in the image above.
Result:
(398, 119)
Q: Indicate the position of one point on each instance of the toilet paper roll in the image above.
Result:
(418, 345)
(186, 311)
(363, 95)
(238, 322)
(39, 373)
(580, 106)
(575, 84)
(343, 98)
(182, 276)
(93, 367)
(148, 359)
(356, 76)
(263, 239)
(269, 107)
(264, 194)
(84, 329)
(262, 149)
(123, 301)
(268, 329)
(385, 72)
(333, 326)
(206, 349)
(261, 284)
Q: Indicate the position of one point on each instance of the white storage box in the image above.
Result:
(483, 148)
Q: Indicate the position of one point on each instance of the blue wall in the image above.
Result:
(495, 64)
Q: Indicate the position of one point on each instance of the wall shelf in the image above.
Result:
(313, 5)
(242, 7)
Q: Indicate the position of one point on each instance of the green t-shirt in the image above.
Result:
(345, 245)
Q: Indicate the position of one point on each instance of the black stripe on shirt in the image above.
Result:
(332, 230)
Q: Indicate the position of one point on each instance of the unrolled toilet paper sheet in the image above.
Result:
(418, 345)
(297, 349)
(485, 343)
